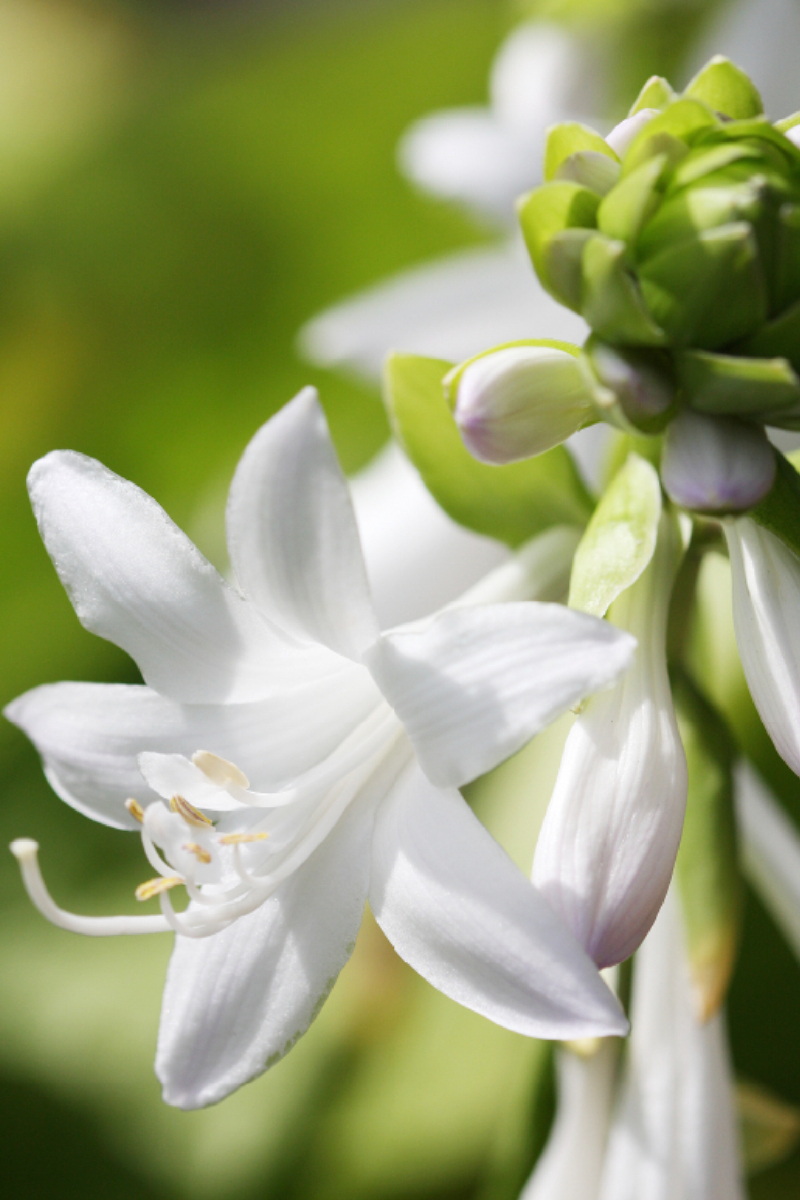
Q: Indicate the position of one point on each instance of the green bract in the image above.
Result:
(678, 241)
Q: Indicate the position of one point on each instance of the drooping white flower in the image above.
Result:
(770, 846)
(607, 847)
(571, 1163)
(667, 1129)
(765, 577)
(674, 1134)
(354, 741)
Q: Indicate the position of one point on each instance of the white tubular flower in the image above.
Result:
(674, 1135)
(519, 401)
(572, 1161)
(765, 576)
(610, 835)
(770, 846)
(355, 743)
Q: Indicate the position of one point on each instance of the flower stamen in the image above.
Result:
(135, 809)
(154, 887)
(197, 850)
(238, 839)
(190, 814)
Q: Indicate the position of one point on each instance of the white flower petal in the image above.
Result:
(89, 735)
(466, 154)
(766, 602)
(621, 136)
(417, 557)
(674, 1137)
(770, 847)
(136, 579)
(292, 534)
(456, 908)
(474, 684)
(538, 75)
(237, 1001)
(176, 775)
(610, 835)
(571, 1164)
(450, 309)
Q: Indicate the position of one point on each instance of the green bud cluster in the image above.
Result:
(682, 253)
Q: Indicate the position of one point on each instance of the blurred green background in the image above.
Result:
(181, 186)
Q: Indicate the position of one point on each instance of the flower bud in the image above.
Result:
(519, 401)
(716, 464)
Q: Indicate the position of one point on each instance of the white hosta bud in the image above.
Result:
(716, 464)
(623, 134)
(519, 401)
(766, 604)
(610, 836)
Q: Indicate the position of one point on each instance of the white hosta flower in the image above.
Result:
(355, 743)
(572, 1161)
(765, 576)
(674, 1134)
(486, 157)
(610, 835)
(519, 401)
(770, 845)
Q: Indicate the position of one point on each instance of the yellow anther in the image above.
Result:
(200, 854)
(190, 814)
(219, 770)
(238, 839)
(135, 809)
(162, 883)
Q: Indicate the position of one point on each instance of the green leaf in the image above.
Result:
(724, 383)
(669, 132)
(632, 202)
(619, 540)
(511, 503)
(779, 512)
(569, 138)
(726, 89)
(707, 290)
(707, 868)
(549, 210)
(656, 93)
(610, 299)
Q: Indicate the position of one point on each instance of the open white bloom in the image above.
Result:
(607, 847)
(668, 1132)
(355, 743)
(765, 577)
(483, 158)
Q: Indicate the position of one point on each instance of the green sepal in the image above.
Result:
(786, 258)
(610, 298)
(707, 290)
(779, 338)
(746, 387)
(656, 93)
(591, 170)
(624, 211)
(756, 130)
(707, 868)
(549, 210)
(511, 503)
(620, 539)
(726, 89)
(567, 139)
(696, 209)
(452, 379)
(787, 123)
(563, 262)
(670, 132)
(779, 512)
(701, 163)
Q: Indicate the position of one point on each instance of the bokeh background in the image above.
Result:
(182, 185)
